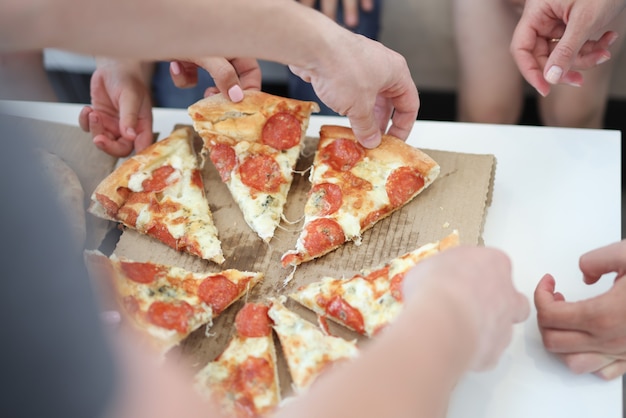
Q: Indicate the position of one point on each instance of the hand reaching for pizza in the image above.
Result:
(475, 284)
(574, 25)
(588, 335)
(230, 75)
(120, 116)
(366, 82)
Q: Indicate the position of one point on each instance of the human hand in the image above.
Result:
(366, 82)
(350, 9)
(230, 75)
(120, 115)
(477, 282)
(588, 335)
(573, 23)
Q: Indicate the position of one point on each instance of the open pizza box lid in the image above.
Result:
(457, 200)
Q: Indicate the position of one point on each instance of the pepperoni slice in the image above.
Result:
(196, 179)
(224, 159)
(342, 154)
(170, 315)
(396, 286)
(161, 233)
(252, 376)
(109, 205)
(252, 321)
(158, 181)
(218, 292)
(326, 198)
(338, 308)
(381, 273)
(142, 272)
(322, 234)
(282, 131)
(261, 172)
(403, 183)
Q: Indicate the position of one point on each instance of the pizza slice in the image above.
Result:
(372, 298)
(307, 349)
(243, 380)
(352, 188)
(159, 192)
(167, 303)
(255, 145)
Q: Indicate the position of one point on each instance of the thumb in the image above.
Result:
(365, 127)
(130, 103)
(564, 54)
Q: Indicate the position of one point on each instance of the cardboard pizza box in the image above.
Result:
(457, 200)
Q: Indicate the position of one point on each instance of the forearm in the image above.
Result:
(184, 28)
(408, 370)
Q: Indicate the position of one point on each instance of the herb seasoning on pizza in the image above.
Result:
(255, 145)
(354, 187)
(159, 192)
(167, 303)
(371, 299)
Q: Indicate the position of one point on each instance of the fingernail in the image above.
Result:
(371, 141)
(131, 132)
(574, 84)
(602, 59)
(235, 93)
(175, 68)
(554, 74)
(613, 39)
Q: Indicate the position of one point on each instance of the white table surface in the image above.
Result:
(557, 194)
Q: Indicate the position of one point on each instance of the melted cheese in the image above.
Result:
(307, 350)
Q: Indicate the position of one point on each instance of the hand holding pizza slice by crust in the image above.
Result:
(159, 192)
(255, 145)
(167, 303)
(353, 187)
(372, 298)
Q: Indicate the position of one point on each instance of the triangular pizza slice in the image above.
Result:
(371, 299)
(243, 380)
(167, 303)
(308, 351)
(159, 192)
(353, 187)
(255, 145)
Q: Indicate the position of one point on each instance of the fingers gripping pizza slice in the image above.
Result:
(167, 303)
(352, 188)
(371, 299)
(255, 145)
(243, 380)
(159, 192)
(308, 351)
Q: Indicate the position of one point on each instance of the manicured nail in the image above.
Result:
(131, 132)
(602, 59)
(554, 74)
(175, 68)
(613, 39)
(235, 93)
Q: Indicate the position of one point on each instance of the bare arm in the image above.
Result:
(353, 75)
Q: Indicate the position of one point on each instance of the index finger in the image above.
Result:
(406, 106)
(522, 47)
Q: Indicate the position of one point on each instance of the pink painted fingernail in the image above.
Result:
(613, 39)
(602, 59)
(235, 93)
(175, 68)
(554, 74)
